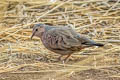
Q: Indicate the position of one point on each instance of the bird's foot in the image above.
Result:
(60, 58)
(67, 58)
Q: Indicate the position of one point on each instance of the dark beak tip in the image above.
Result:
(31, 37)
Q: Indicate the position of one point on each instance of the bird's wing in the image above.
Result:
(84, 40)
(61, 38)
(87, 42)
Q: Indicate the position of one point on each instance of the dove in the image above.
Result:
(62, 40)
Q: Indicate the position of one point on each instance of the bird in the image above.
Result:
(62, 40)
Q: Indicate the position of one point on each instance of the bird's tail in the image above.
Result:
(93, 44)
(98, 44)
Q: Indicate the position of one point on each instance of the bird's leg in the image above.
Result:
(67, 58)
(59, 58)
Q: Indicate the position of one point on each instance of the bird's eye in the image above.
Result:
(36, 29)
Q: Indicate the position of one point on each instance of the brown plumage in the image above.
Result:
(62, 40)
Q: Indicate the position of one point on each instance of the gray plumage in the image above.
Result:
(62, 40)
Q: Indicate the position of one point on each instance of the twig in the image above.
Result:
(111, 8)
(53, 9)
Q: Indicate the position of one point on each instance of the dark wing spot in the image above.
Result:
(83, 42)
(68, 37)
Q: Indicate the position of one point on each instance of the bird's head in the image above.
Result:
(38, 29)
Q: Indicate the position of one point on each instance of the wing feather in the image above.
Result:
(59, 38)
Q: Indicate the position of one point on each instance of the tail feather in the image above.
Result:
(94, 44)
(98, 44)
(88, 42)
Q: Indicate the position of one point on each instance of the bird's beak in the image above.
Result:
(33, 34)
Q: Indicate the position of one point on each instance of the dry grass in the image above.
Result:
(25, 59)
